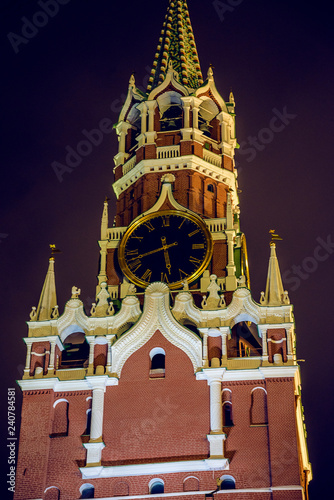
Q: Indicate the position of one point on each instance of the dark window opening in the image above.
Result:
(211, 188)
(245, 341)
(87, 492)
(227, 415)
(157, 488)
(76, 352)
(172, 118)
(158, 362)
(227, 484)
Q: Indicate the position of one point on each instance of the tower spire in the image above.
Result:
(177, 44)
(48, 298)
(274, 289)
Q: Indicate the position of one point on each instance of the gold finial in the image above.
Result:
(274, 237)
(54, 250)
(106, 199)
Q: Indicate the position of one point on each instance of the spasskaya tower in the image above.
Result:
(176, 383)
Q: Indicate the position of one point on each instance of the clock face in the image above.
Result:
(169, 246)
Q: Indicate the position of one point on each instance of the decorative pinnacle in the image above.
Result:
(210, 72)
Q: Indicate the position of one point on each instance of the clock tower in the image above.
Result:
(177, 383)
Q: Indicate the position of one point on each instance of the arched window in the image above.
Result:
(156, 486)
(245, 341)
(87, 491)
(211, 188)
(121, 489)
(191, 484)
(227, 483)
(157, 369)
(60, 418)
(52, 493)
(258, 412)
(227, 408)
(76, 351)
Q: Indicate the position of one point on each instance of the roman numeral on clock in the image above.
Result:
(166, 221)
(164, 278)
(194, 232)
(147, 275)
(195, 261)
(183, 275)
(132, 253)
(134, 265)
(198, 246)
(149, 226)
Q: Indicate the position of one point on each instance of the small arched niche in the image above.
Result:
(157, 362)
(244, 341)
(76, 351)
(87, 491)
(156, 487)
(227, 483)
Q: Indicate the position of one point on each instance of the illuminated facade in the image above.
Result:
(177, 383)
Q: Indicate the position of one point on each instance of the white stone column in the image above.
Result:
(108, 367)
(96, 445)
(205, 350)
(91, 341)
(122, 130)
(186, 110)
(152, 106)
(28, 357)
(143, 110)
(216, 418)
(52, 354)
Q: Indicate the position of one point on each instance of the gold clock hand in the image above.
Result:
(153, 251)
(166, 254)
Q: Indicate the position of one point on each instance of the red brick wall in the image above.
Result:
(162, 418)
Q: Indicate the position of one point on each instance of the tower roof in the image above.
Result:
(177, 44)
(274, 289)
(48, 299)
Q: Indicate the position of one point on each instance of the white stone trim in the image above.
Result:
(190, 162)
(154, 469)
(254, 374)
(61, 385)
(156, 316)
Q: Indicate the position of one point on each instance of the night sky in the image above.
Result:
(70, 74)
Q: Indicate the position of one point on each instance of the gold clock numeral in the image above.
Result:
(195, 261)
(135, 265)
(134, 237)
(183, 274)
(164, 278)
(184, 220)
(194, 232)
(132, 253)
(166, 221)
(198, 246)
(147, 275)
(149, 226)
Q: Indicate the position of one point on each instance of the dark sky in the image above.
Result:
(73, 72)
